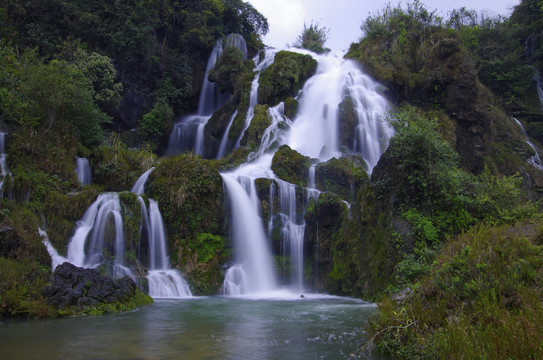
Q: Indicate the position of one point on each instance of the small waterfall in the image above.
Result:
(253, 96)
(224, 141)
(271, 136)
(535, 160)
(56, 259)
(3, 161)
(253, 272)
(83, 171)
(95, 228)
(139, 185)
(292, 232)
(187, 134)
(99, 240)
(163, 281)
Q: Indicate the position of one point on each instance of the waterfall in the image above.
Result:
(187, 133)
(253, 272)
(99, 240)
(83, 171)
(224, 141)
(163, 281)
(96, 228)
(139, 185)
(3, 160)
(535, 160)
(292, 232)
(56, 259)
(315, 130)
(261, 65)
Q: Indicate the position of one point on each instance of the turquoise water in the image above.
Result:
(199, 328)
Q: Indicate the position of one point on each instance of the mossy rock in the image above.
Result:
(291, 166)
(348, 121)
(324, 218)
(285, 77)
(291, 108)
(189, 192)
(342, 176)
(260, 122)
(227, 69)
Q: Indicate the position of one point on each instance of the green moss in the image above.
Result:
(291, 166)
(21, 282)
(207, 246)
(291, 108)
(189, 192)
(227, 69)
(260, 122)
(136, 300)
(285, 77)
(342, 176)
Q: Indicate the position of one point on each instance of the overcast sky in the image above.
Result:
(343, 17)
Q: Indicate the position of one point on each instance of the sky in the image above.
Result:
(344, 17)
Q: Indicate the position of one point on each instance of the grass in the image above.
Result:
(481, 300)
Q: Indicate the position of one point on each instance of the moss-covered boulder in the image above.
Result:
(291, 166)
(291, 108)
(348, 121)
(237, 106)
(323, 218)
(189, 192)
(342, 176)
(364, 252)
(260, 122)
(285, 77)
(227, 69)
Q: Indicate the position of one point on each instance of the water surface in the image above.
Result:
(199, 328)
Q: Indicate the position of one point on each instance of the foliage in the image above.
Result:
(207, 245)
(227, 69)
(116, 166)
(478, 300)
(156, 122)
(285, 77)
(313, 38)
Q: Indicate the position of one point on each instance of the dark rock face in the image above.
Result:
(75, 286)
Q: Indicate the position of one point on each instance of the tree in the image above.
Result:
(313, 38)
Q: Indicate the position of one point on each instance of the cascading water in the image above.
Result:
(99, 240)
(224, 141)
(163, 281)
(188, 133)
(253, 96)
(535, 160)
(3, 161)
(292, 232)
(315, 130)
(314, 133)
(253, 272)
(83, 171)
(94, 237)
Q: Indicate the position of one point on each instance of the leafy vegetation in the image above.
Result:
(313, 38)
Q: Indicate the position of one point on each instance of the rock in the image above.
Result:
(402, 295)
(75, 286)
(291, 166)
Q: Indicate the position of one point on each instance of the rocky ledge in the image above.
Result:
(74, 290)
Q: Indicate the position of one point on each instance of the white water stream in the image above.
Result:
(313, 133)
